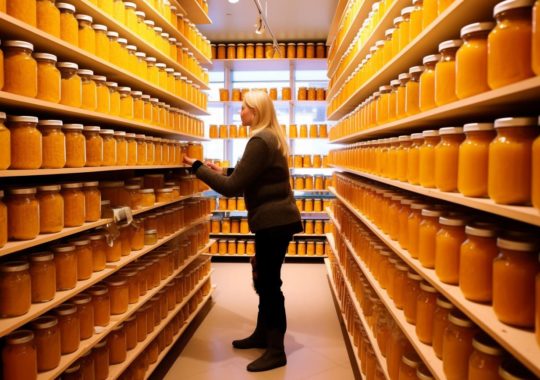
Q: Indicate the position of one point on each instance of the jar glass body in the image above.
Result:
(20, 70)
(23, 221)
(471, 65)
(26, 146)
(51, 211)
(48, 76)
(473, 163)
(445, 77)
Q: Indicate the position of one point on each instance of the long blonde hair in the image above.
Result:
(265, 117)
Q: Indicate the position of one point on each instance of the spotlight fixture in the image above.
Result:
(259, 25)
(233, 1)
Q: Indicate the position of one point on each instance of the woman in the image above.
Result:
(262, 177)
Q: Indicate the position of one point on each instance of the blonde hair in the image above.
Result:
(265, 117)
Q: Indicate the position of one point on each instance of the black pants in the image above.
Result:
(270, 249)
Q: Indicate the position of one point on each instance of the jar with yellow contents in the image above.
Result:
(103, 46)
(71, 84)
(114, 98)
(68, 23)
(54, 144)
(87, 35)
(26, 142)
(427, 82)
(109, 147)
(445, 73)
(48, 77)
(14, 289)
(74, 204)
(20, 68)
(51, 209)
(89, 90)
(126, 103)
(94, 146)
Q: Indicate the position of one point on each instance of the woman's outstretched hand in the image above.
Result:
(189, 160)
(213, 166)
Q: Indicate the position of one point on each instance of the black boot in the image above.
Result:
(256, 340)
(274, 356)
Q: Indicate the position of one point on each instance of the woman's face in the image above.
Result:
(247, 115)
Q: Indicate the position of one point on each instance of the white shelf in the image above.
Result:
(264, 64)
(85, 170)
(15, 246)
(525, 214)
(287, 256)
(277, 103)
(520, 343)
(194, 11)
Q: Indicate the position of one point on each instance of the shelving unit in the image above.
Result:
(195, 11)
(519, 342)
(301, 235)
(277, 103)
(95, 169)
(265, 64)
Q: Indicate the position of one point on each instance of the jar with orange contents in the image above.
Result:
(427, 236)
(53, 141)
(408, 366)
(15, 290)
(101, 304)
(94, 146)
(100, 354)
(26, 142)
(51, 209)
(23, 211)
(397, 346)
(427, 158)
(447, 248)
(48, 77)
(425, 310)
(71, 84)
(74, 204)
(47, 340)
(514, 272)
(20, 68)
(19, 355)
(92, 201)
(85, 310)
(85, 265)
(75, 146)
(68, 23)
(412, 91)
(109, 147)
(457, 345)
(473, 159)
(410, 296)
(427, 83)
(119, 295)
(43, 276)
(68, 323)
(98, 251)
(65, 260)
(89, 90)
(485, 359)
(445, 73)
(511, 184)
(440, 322)
(446, 158)
(87, 35)
(511, 37)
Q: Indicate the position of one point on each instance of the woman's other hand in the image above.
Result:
(214, 167)
(189, 160)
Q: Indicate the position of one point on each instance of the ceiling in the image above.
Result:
(289, 20)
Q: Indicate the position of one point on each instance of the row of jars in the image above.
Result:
(41, 76)
(311, 93)
(402, 362)
(39, 347)
(238, 204)
(61, 21)
(489, 261)
(465, 67)
(240, 226)
(138, 370)
(267, 50)
(466, 352)
(237, 94)
(411, 22)
(311, 182)
(293, 131)
(29, 143)
(37, 277)
(308, 161)
(474, 160)
(247, 247)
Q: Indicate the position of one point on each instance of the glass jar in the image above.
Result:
(87, 35)
(51, 209)
(100, 354)
(427, 236)
(99, 258)
(457, 346)
(413, 159)
(131, 149)
(85, 309)
(94, 146)
(400, 98)
(103, 45)
(514, 272)
(5, 143)
(23, 211)
(85, 265)
(427, 83)
(445, 73)
(408, 366)
(68, 23)
(485, 359)
(53, 144)
(109, 147)
(116, 340)
(101, 303)
(26, 142)
(412, 91)
(68, 323)
(410, 295)
(473, 159)
(65, 261)
(114, 97)
(43, 276)
(119, 295)
(48, 77)
(89, 90)
(20, 68)
(440, 322)
(127, 109)
(511, 37)
(446, 158)
(427, 158)
(75, 146)
(47, 339)
(92, 201)
(74, 204)
(19, 355)
(15, 290)
(425, 310)
(71, 84)
(509, 169)
(142, 150)
(471, 60)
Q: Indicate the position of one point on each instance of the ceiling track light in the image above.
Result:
(233, 1)
(261, 26)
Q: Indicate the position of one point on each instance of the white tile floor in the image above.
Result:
(314, 341)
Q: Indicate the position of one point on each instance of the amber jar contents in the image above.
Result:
(23, 211)
(99, 258)
(68, 322)
(19, 356)
(85, 265)
(445, 73)
(425, 309)
(53, 144)
(412, 290)
(116, 340)
(94, 146)
(119, 295)
(514, 272)
(26, 142)
(5, 138)
(485, 359)
(85, 309)
(51, 209)
(448, 242)
(71, 84)
(75, 146)
(47, 340)
(100, 354)
(457, 346)
(15, 290)
(101, 303)
(92, 201)
(48, 77)
(20, 68)
(68, 23)
(43, 276)
(440, 322)
(65, 260)
(446, 158)
(74, 204)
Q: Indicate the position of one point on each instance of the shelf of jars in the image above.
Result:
(168, 27)
(500, 102)
(267, 64)
(47, 43)
(445, 27)
(277, 103)
(59, 110)
(300, 235)
(334, 290)
(116, 370)
(353, 17)
(525, 214)
(336, 22)
(115, 320)
(237, 213)
(372, 340)
(96, 169)
(192, 317)
(195, 11)
(521, 343)
(425, 351)
(101, 17)
(36, 309)
(385, 22)
(288, 256)
(14, 246)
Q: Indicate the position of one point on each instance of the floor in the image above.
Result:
(314, 343)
